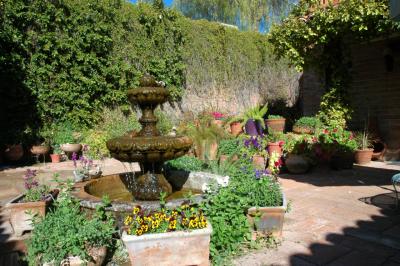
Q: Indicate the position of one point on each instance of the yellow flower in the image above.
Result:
(172, 225)
(128, 220)
(139, 232)
(136, 209)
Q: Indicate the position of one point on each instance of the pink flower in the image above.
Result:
(217, 115)
(326, 131)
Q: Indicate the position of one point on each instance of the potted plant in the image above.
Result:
(340, 144)
(167, 237)
(178, 170)
(275, 143)
(205, 136)
(267, 206)
(68, 139)
(297, 153)
(275, 123)
(306, 125)
(56, 155)
(236, 125)
(254, 147)
(253, 120)
(34, 201)
(66, 236)
(363, 153)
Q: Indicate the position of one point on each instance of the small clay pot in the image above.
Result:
(258, 162)
(14, 152)
(275, 125)
(274, 147)
(55, 158)
(236, 128)
(363, 156)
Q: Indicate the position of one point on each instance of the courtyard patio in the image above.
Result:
(342, 217)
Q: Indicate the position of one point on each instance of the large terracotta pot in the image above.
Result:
(363, 156)
(236, 128)
(69, 147)
(20, 220)
(275, 125)
(268, 220)
(14, 152)
(274, 147)
(302, 130)
(171, 248)
(258, 162)
(40, 149)
(297, 164)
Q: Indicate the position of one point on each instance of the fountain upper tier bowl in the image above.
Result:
(148, 149)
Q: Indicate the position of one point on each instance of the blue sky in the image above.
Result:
(166, 2)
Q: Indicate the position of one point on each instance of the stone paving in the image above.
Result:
(337, 217)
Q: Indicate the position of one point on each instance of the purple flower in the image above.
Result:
(29, 179)
(258, 173)
(74, 158)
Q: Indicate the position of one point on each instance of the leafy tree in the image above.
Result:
(247, 14)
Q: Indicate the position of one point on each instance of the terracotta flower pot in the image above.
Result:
(213, 149)
(40, 149)
(275, 125)
(258, 161)
(302, 130)
(171, 248)
(268, 220)
(19, 218)
(55, 158)
(363, 156)
(296, 164)
(14, 152)
(69, 147)
(236, 128)
(274, 147)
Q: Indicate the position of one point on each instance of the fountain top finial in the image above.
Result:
(148, 81)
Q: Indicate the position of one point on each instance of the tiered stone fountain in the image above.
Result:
(148, 147)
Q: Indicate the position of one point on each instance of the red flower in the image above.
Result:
(335, 130)
(326, 131)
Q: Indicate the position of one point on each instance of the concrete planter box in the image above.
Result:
(19, 218)
(268, 220)
(169, 249)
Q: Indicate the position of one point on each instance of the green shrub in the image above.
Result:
(116, 123)
(228, 147)
(64, 133)
(164, 124)
(275, 117)
(66, 231)
(226, 209)
(186, 163)
(310, 122)
(96, 140)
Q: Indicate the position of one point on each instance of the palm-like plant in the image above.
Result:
(255, 113)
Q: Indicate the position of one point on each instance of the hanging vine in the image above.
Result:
(319, 36)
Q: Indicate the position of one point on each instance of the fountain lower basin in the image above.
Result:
(117, 187)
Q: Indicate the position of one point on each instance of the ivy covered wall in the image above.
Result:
(66, 60)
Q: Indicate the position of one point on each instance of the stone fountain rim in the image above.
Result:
(91, 202)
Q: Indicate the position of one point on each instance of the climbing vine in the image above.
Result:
(320, 35)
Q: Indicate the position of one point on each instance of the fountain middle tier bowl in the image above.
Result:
(148, 149)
